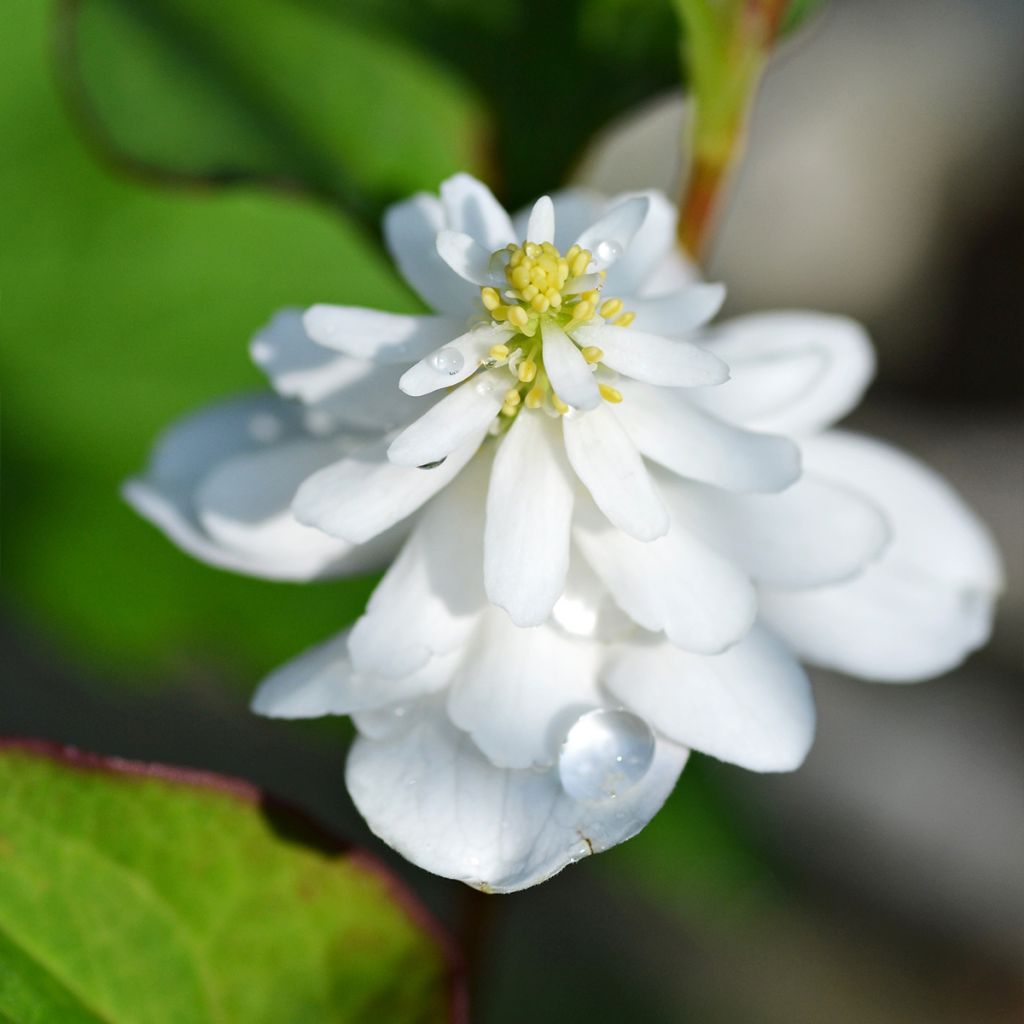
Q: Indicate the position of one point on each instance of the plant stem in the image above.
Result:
(725, 49)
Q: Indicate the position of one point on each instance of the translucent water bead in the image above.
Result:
(605, 754)
(448, 360)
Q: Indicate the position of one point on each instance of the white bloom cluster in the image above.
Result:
(615, 531)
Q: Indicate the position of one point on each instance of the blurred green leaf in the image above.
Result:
(365, 98)
(141, 895)
(268, 88)
(122, 308)
(696, 857)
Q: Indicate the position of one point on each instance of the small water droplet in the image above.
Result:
(605, 754)
(448, 360)
(606, 252)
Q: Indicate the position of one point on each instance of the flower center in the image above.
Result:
(543, 285)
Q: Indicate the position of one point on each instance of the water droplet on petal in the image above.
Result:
(606, 252)
(448, 360)
(605, 754)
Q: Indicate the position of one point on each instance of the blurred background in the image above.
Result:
(173, 172)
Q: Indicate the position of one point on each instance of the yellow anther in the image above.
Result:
(520, 276)
(533, 250)
(508, 410)
(499, 313)
(574, 251)
(611, 307)
(491, 298)
(499, 352)
(517, 316)
(512, 397)
(625, 320)
(593, 296)
(582, 311)
(529, 292)
(527, 371)
(580, 262)
(610, 394)
(535, 397)
(560, 407)
(592, 354)
(541, 303)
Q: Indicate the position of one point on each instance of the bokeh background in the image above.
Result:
(172, 172)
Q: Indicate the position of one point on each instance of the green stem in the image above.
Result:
(725, 47)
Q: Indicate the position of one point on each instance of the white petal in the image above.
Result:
(609, 466)
(264, 541)
(529, 512)
(322, 681)
(674, 585)
(669, 429)
(541, 227)
(429, 793)
(429, 600)
(928, 602)
(666, 362)
(575, 210)
(750, 706)
(457, 418)
(470, 207)
(410, 230)
(244, 503)
(933, 528)
(381, 337)
(679, 312)
(361, 496)
(647, 247)
(814, 533)
(791, 373)
(570, 374)
(341, 391)
(473, 346)
(519, 691)
(619, 226)
(466, 257)
(891, 624)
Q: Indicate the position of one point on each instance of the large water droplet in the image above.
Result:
(448, 360)
(605, 754)
(606, 252)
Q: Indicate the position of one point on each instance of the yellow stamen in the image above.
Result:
(611, 308)
(518, 316)
(560, 407)
(527, 371)
(610, 394)
(592, 354)
(580, 262)
(499, 352)
(512, 397)
(625, 320)
(491, 298)
(535, 397)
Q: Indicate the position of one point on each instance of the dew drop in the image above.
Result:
(606, 252)
(448, 360)
(605, 754)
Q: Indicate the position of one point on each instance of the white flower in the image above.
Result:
(609, 554)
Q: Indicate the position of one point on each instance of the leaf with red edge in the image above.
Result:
(139, 893)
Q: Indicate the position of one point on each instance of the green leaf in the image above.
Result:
(137, 894)
(350, 95)
(268, 88)
(122, 308)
